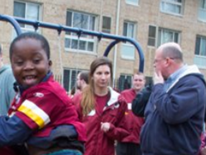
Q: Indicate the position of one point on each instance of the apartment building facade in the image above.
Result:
(149, 22)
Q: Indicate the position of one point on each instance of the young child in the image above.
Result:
(41, 115)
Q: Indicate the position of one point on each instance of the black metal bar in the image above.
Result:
(110, 47)
(59, 28)
(137, 46)
(12, 21)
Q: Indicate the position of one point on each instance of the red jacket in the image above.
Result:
(134, 123)
(46, 106)
(99, 142)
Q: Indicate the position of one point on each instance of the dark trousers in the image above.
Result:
(128, 149)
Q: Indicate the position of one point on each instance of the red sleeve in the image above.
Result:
(37, 108)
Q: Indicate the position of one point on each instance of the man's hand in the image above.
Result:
(105, 126)
(158, 78)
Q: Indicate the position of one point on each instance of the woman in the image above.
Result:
(101, 110)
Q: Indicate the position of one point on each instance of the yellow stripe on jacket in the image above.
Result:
(35, 113)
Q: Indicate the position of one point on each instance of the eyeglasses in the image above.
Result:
(158, 60)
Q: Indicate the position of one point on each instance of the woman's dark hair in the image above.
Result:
(31, 35)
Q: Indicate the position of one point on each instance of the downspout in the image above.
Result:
(115, 48)
(100, 26)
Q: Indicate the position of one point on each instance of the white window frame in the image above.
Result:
(200, 57)
(128, 47)
(131, 2)
(163, 31)
(202, 10)
(25, 27)
(151, 37)
(71, 79)
(83, 38)
(159, 34)
(128, 31)
(106, 30)
(172, 3)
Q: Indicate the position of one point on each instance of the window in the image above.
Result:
(152, 36)
(200, 52)
(124, 82)
(172, 6)
(202, 10)
(167, 35)
(106, 24)
(132, 2)
(129, 29)
(27, 10)
(70, 76)
(128, 50)
(164, 35)
(83, 21)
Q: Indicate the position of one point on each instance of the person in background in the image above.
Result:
(130, 145)
(7, 80)
(175, 111)
(41, 116)
(102, 110)
(82, 80)
(81, 83)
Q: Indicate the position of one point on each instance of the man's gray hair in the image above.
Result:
(172, 52)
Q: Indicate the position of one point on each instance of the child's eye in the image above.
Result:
(36, 61)
(19, 63)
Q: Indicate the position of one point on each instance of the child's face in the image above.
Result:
(29, 62)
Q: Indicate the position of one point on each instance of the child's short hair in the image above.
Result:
(32, 35)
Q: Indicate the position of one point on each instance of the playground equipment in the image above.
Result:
(116, 39)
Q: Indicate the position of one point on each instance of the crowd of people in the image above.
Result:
(38, 117)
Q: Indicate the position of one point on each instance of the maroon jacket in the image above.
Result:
(99, 142)
(134, 123)
(47, 106)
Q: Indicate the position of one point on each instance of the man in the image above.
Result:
(81, 83)
(175, 111)
(82, 80)
(131, 144)
(7, 92)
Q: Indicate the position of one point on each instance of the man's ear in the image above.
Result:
(168, 61)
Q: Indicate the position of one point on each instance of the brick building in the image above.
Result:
(149, 22)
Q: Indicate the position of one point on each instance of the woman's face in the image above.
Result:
(101, 76)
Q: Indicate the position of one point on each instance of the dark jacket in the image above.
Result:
(140, 101)
(174, 119)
